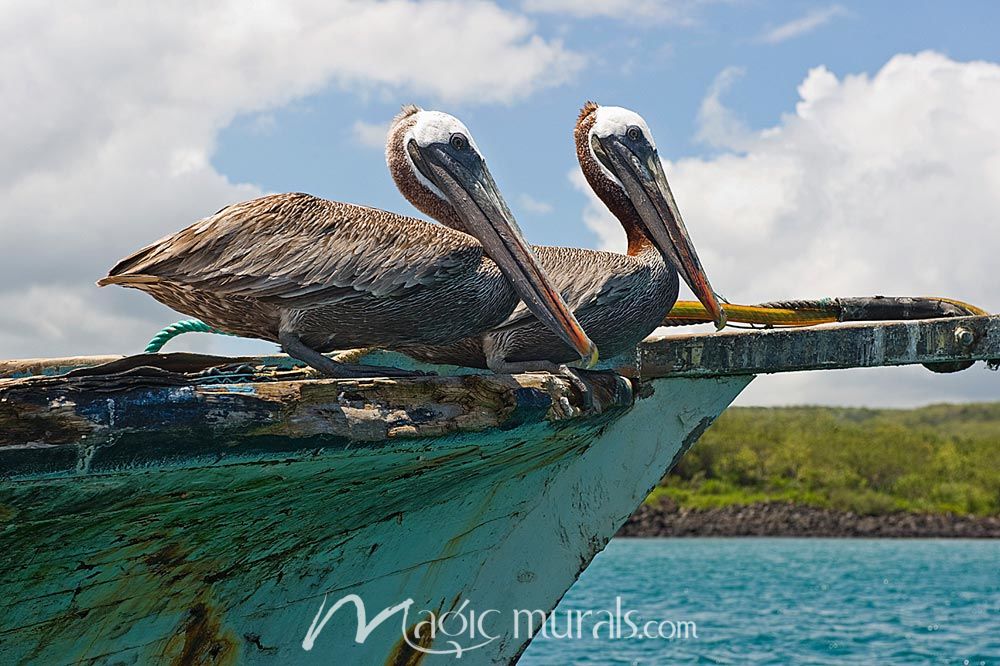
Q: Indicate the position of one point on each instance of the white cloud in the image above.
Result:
(884, 184)
(371, 135)
(717, 124)
(802, 25)
(533, 205)
(111, 113)
(597, 217)
(263, 123)
(631, 11)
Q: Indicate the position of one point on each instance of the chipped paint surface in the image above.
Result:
(931, 342)
(207, 524)
(157, 517)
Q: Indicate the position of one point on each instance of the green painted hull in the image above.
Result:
(220, 546)
(169, 515)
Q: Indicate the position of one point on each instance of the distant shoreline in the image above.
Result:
(666, 519)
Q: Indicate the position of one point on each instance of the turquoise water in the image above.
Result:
(786, 601)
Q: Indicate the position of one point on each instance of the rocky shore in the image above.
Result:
(667, 519)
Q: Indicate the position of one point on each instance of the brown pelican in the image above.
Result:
(618, 298)
(317, 275)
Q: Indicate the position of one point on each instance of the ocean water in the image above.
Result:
(782, 601)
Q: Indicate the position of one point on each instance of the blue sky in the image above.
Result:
(658, 68)
(815, 149)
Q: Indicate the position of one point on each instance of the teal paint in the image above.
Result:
(225, 548)
(148, 519)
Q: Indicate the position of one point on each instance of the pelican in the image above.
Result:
(618, 298)
(317, 275)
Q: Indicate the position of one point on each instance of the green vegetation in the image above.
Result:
(942, 458)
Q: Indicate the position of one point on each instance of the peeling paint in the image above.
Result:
(167, 521)
(929, 342)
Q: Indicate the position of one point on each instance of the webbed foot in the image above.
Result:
(295, 348)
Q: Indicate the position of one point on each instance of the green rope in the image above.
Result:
(175, 329)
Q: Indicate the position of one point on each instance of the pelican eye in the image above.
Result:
(458, 141)
(633, 133)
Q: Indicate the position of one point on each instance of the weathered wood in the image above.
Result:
(198, 523)
(862, 345)
(148, 414)
(856, 345)
(27, 367)
(201, 511)
(173, 362)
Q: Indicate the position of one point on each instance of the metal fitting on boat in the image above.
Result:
(964, 336)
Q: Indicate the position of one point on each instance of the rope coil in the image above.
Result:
(178, 328)
(825, 311)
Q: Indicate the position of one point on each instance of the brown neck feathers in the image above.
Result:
(404, 174)
(607, 190)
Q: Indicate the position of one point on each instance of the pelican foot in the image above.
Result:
(295, 348)
(575, 376)
(572, 375)
(608, 387)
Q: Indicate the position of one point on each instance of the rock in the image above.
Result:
(666, 519)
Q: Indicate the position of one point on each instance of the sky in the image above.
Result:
(815, 149)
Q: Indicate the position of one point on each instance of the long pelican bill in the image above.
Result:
(473, 193)
(646, 185)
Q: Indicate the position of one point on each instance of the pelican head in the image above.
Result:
(618, 157)
(438, 167)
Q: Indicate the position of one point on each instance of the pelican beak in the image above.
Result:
(470, 188)
(641, 173)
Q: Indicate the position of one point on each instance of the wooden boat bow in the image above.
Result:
(180, 508)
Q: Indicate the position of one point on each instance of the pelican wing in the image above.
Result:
(298, 250)
(585, 279)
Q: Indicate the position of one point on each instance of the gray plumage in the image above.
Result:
(317, 275)
(339, 275)
(618, 299)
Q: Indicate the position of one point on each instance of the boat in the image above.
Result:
(191, 509)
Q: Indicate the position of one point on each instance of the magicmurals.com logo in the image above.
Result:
(456, 632)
